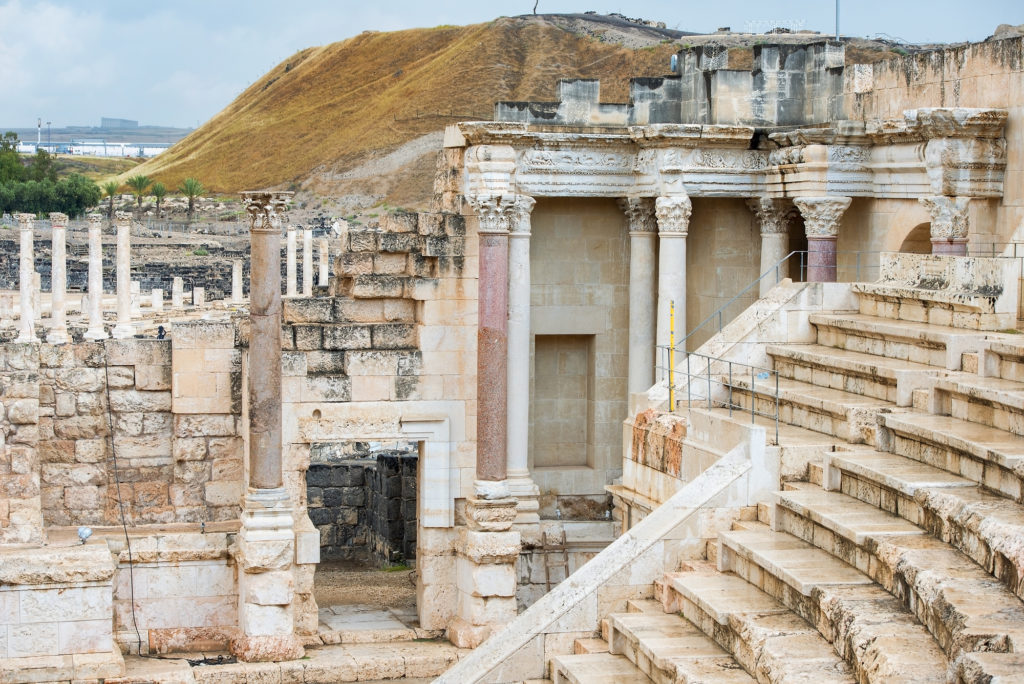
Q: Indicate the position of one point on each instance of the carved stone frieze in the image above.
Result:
(949, 216)
(849, 154)
(772, 214)
(673, 212)
(821, 214)
(640, 212)
(576, 162)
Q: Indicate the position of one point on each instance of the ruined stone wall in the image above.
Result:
(20, 514)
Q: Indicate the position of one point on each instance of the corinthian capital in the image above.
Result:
(95, 221)
(949, 216)
(772, 214)
(25, 221)
(640, 212)
(520, 221)
(821, 214)
(493, 211)
(122, 219)
(265, 210)
(58, 220)
(673, 213)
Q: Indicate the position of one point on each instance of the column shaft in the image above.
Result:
(236, 281)
(265, 360)
(26, 269)
(324, 268)
(178, 293)
(642, 283)
(673, 215)
(292, 283)
(307, 262)
(774, 246)
(95, 331)
(821, 259)
(58, 279)
(124, 277)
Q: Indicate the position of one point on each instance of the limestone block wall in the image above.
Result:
(20, 514)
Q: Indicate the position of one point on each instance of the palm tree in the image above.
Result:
(159, 191)
(110, 189)
(191, 188)
(139, 184)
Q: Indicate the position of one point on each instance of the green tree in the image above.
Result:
(191, 188)
(75, 194)
(43, 166)
(139, 185)
(110, 189)
(9, 142)
(11, 168)
(159, 191)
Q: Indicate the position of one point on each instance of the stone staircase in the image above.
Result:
(899, 556)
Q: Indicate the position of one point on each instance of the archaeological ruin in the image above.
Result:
(722, 384)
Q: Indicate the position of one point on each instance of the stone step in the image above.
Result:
(668, 649)
(595, 668)
(994, 402)
(1002, 357)
(866, 626)
(985, 526)
(984, 454)
(963, 607)
(935, 345)
(990, 668)
(591, 645)
(771, 642)
(644, 606)
(845, 415)
(857, 372)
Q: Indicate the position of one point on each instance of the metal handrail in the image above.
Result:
(726, 380)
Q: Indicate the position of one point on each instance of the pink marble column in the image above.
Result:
(494, 213)
(950, 224)
(821, 224)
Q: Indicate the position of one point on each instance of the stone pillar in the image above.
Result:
(236, 282)
(773, 217)
(642, 266)
(157, 301)
(520, 484)
(58, 279)
(673, 214)
(178, 293)
(26, 269)
(266, 541)
(37, 294)
(821, 224)
(324, 268)
(198, 297)
(307, 262)
(292, 282)
(488, 547)
(950, 223)
(124, 326)
(136, 290)
(6, 311)
(95, 330)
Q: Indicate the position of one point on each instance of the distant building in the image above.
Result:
(107, 122)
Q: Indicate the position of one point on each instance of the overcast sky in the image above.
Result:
(178, 63)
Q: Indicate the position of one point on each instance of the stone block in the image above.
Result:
(135, 400)
(485, 611)
(394, 336)
(389, 264)
(293, 364)
(489, 547)
(269, 588)
(80, 379)
(325, 362)
(371, 362)
(309, 337)
(358, 311)
(153, 377)
(362, 240)
(119, 377)
(144, 352)
(23, 411)
(80, 427)
(352, 264)
(224, 493)
(84, 636)
(378, 286)
(346, 337)
(485, 580)
(187, 425)
(189, 449)
(308, 310)
(399, 242)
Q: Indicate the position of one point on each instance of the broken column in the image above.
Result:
(642, 264)
(157, 299)
(95, 330)
(773, 218)
(307, 262)
(950, 224)
(26, 270)
(178, 293)
(58, 278)
(198, 297)
(236, 281)
(124, 326)
(266, 541)
(292, 283)
(520, 484)
(488, 548)
(673, 214)
(136, 299)
(821, 224)
(324, 275)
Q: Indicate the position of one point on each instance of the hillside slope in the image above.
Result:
(325, 113)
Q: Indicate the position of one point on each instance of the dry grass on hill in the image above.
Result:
(327, 109)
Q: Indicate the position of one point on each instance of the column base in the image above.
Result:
(94, 335)
(527, 496)
(261, 649)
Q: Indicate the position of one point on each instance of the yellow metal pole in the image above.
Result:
(671, 355)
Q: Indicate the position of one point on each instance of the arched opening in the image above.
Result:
(918, 240)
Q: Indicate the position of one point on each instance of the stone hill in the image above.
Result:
(363, 117)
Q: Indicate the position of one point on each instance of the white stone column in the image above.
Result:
(95, 331)
(236, 281)
(673, 213)
(520, 484)
(157, 301)
(26, 269)
(124, 327)
(198, 297)
(6, 311)
(950, 224)
(136, 291)
(642, 267)
(324, 256)
(178, 293)
(821, 225)
(291, 286)
(307, 262)
(58, 279)
(37, 295)
(773, 217)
